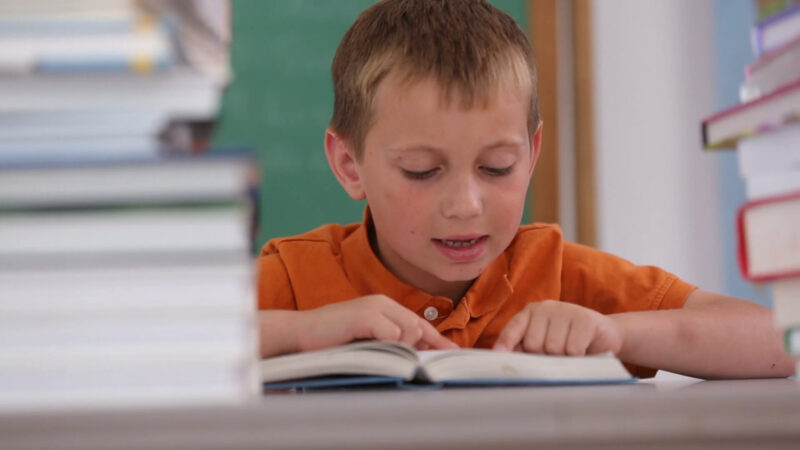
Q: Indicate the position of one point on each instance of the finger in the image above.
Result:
(580, 336)
(383, 329)
(513, 332)
(535, 335)
(556, 341)
(434, 339)
(408, 321)
(403, 320)
(410, 331)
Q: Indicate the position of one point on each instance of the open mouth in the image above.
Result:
(460, 243)
(462, 250)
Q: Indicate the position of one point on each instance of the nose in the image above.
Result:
(462, 199)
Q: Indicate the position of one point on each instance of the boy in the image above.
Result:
(436, 125)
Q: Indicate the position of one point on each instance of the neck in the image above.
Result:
(454, 290)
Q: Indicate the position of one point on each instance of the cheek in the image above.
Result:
(508, 200)
(401, 209)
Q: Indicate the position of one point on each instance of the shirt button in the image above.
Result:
(431, 313)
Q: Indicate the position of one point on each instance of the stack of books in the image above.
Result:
(125, 251)
(765, 129)
(116, 78)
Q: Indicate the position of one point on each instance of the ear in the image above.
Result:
(343, 163)
(536, 146)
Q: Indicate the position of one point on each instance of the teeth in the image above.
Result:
(459, 244)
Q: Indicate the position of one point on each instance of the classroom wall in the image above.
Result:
(658, 194)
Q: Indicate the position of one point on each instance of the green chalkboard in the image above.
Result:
(281, 100)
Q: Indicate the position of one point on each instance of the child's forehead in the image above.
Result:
(397, 87)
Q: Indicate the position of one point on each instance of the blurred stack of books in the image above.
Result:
(109, 77)
(125, 248)
(765, 128)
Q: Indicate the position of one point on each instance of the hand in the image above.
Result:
(560, 328)
(371, 317)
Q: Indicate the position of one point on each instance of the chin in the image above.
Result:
(460, 274)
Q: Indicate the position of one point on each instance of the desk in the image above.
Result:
(725, 414)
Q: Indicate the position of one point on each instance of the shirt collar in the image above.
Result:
(369, 276)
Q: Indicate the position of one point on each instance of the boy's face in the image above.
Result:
(446, 185)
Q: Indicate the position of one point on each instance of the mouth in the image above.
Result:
(462, 248)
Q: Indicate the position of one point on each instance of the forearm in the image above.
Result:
(276, 334)
(719, 337)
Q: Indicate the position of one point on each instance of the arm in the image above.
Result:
(370, 317)
(712, 336)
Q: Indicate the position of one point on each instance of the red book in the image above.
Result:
(769, 238)
(762, 115)
(773, 70)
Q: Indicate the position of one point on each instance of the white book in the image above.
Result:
(771, 72)
(772, 184)
(65, 147)
(69, 379)
(769, 153)
(181, 94)
(399, 362)
(110, 398)
(63, 9)
(43, 125)
(157, 329)
(122, 357)
(770, 238)
(62, 369)
(141, 180)
(136, 49)
(786, 303)
(220, 286)
(29, 236)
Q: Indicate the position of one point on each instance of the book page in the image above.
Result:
(480, 364)
(359, 358)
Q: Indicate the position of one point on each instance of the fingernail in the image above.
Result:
(500, 348)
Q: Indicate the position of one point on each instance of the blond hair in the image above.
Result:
(466, 46)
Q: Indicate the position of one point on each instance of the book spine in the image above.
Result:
(704, 135)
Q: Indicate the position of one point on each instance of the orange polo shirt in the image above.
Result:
(335, 263)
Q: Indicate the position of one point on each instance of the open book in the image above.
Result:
(375, 362)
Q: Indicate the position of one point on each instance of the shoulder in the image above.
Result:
(298, 255)
(535, 237)
(290, 268)
(327, 238)
(537, 234)
(536, 248)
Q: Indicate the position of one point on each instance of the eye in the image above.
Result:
(498, 172)
(419, 175)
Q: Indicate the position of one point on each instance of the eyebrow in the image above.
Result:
(430, 149)
(504, 143)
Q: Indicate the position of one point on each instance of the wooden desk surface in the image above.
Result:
(725, 414)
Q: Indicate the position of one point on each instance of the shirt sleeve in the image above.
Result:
(610, 284)
(273, 285)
